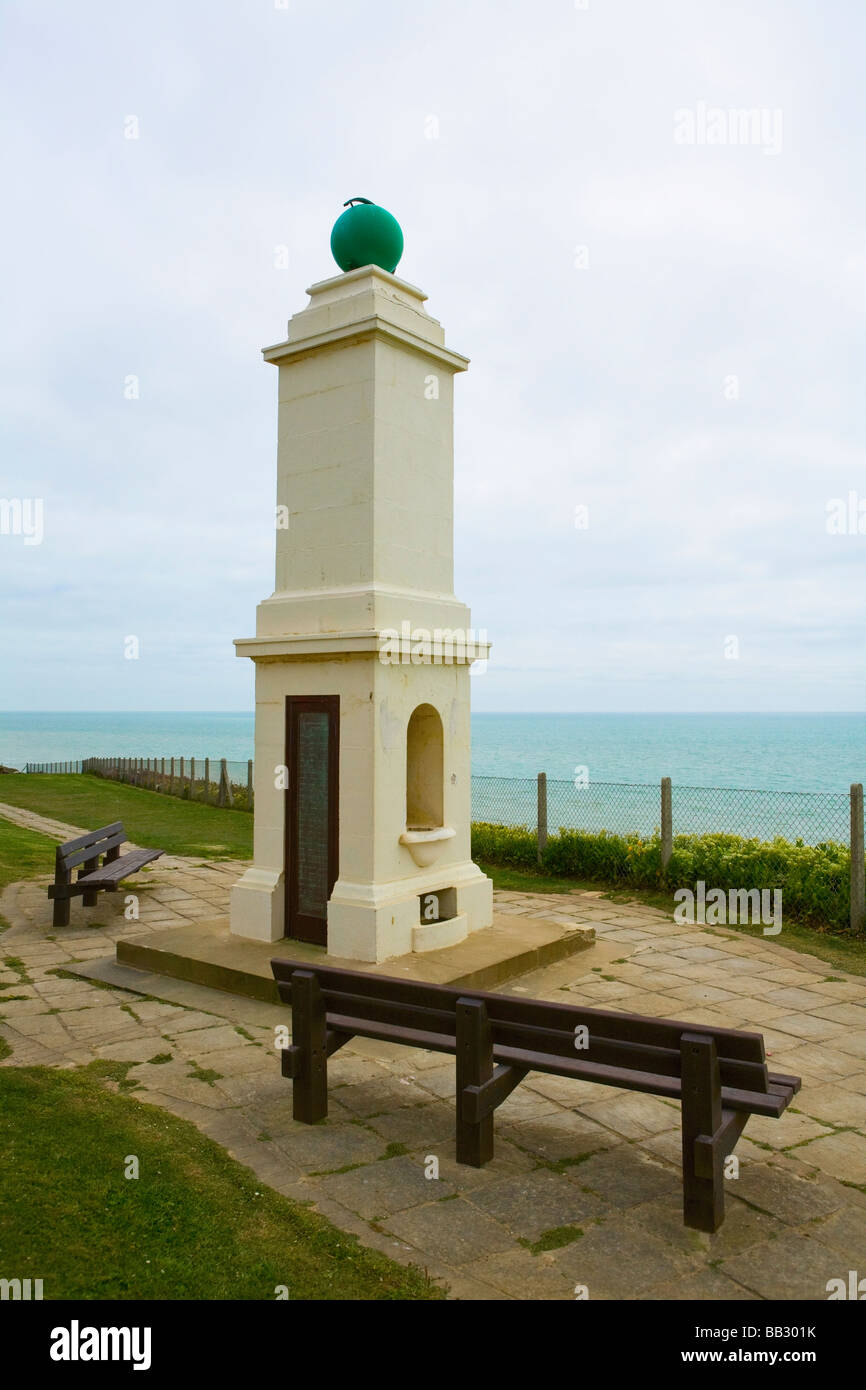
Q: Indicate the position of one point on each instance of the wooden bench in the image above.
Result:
(93, 877)
(718, 1074)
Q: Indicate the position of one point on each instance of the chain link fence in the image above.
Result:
(635, 808)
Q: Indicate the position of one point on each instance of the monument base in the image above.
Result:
(374, 921)
(207, 953)
(377, 921)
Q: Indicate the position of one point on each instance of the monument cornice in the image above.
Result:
(362, 330)
(367, 643)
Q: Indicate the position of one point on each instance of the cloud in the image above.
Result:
(695, 383)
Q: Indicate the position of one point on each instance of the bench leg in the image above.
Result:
(60, 915)
(310, 1089)
(89, 898)
(474, 1067)
(703, 1196)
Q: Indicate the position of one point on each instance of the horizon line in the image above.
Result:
(519, 712)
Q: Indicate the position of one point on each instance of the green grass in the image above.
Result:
(194, 1225)
(23, 854)
(554, 1239)
(149, 818)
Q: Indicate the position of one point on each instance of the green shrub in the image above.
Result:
(615, 859)
(504, 844)
(814, 879)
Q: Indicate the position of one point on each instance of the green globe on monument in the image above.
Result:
(366, 234)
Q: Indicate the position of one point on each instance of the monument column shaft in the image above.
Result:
(358, 426)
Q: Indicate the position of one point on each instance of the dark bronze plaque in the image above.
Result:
(313, 818)
(312, 813)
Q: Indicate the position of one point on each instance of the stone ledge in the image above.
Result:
(207, 954)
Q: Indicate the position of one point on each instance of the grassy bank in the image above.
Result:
(23, 854)
(149, 818)
(194, 1225)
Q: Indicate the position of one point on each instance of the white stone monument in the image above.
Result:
(363, 653)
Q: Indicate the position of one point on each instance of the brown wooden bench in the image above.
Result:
(93, 877)
(718, 1074)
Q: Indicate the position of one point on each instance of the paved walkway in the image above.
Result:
(584, 1188)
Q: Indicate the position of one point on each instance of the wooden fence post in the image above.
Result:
(207, 779)
(858, 872)
(192, 779)
(667, 823)
(171, 779)
(542, 814)
(250, 783)
(225, 794)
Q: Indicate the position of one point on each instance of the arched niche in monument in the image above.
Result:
(425, 771)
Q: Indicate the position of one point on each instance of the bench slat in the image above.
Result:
(111, 874)
(92, 837)
(733, 1098)
(792, 1082)
(389, 1032)
(92, 851)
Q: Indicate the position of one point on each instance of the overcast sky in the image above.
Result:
(665, 330)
